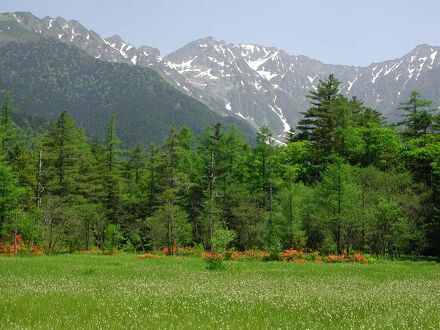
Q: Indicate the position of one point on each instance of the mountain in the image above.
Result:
(47, 76)
(267, 86)
(262, 85)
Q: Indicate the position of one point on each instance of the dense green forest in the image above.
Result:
(345, 181)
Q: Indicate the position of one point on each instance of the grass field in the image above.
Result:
(123, 292)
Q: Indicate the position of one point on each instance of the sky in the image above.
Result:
(352, 32)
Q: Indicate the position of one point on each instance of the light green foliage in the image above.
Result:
(112, 237)
(339, 198)
(246, 219)
(292, 201)
(169, 225)
(9, 196)
(378, 146)
(221, 239)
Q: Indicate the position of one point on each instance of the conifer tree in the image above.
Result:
(111, 171)
(9, 196)
(10, 134)
(317, 122)
(169, 224)
(213, 161)
(417, 118)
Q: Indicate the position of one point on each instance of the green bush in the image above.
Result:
(112, 237)
(214, 264)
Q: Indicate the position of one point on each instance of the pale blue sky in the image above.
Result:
(356, 32)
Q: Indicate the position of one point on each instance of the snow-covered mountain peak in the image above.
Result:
(263, 85)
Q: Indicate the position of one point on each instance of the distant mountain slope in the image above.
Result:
(263, 85)
(267, 86)
(47, 77)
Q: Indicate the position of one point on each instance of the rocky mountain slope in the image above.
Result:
(46, 77)
(263, 85)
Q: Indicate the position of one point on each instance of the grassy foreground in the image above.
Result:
(122, 292)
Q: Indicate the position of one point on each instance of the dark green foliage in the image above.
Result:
(46, 77)
(417, 119)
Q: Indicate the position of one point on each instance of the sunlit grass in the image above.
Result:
(121, 292)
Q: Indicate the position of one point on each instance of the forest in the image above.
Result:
(344, 181)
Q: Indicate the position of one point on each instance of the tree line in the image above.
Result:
(344, 181)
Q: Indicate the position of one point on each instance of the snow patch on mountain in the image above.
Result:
(254, 65)
(432, 56)
(181, 67)
(376, 75)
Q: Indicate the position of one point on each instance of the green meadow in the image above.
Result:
(124, 292)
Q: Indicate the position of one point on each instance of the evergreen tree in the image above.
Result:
(9, 196)
(169, 224)
(8, 129)
(111, 171)
(340, 198)
(136, 165)
(62, 155)
(69, 182)
(317, 122)
(417, 118)
(211, 150)
(264, 182)
(152, 183)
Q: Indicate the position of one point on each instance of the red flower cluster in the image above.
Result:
(236, 255)
(334, 258)
(357, 257)
(19, 246)
(292, 255)
(208, 255)
(248, 255)
(173, 250)
(360, 258)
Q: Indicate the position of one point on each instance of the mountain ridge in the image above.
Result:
(263, 85)
(47, 76)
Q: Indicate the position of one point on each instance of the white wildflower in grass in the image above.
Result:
(122, 291)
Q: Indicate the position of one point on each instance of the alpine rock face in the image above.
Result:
(266, 86)
(263, 85)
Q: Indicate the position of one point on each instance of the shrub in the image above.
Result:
(357, 257)
(214, 261)
(19, 247)
(112, 237)
(273, 246)
(236, 255)
(110, 252)
(148, 256)
(370, 259)
(360, 258)
(313, 257)
(128, 247)
(247, 255)
(221, 238)
(172, 250)
(334, 258)
(292, 255)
